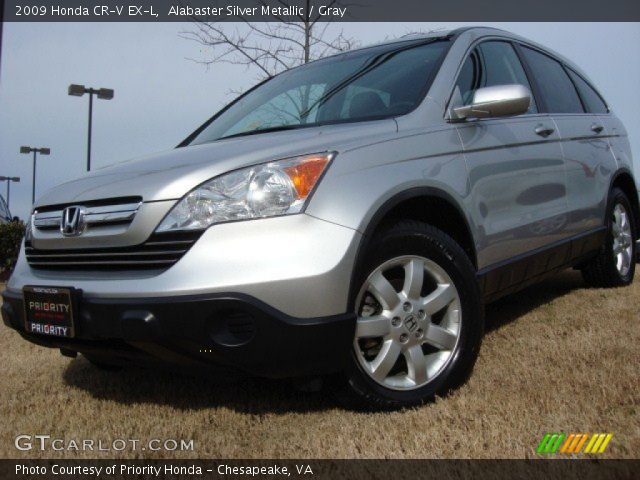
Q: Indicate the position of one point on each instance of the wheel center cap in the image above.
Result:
(411, 323)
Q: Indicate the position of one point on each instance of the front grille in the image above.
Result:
(159, 252)
(94, 214)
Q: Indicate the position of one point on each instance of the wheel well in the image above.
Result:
(624, 181)
(436, 211)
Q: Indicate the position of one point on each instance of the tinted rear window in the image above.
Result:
(592, 101)
(558, 92)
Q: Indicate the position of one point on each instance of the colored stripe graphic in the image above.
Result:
(568, 443)
(556, 444)
(598, 443)
(581, 443)
(594, 437)
(606, 442)
(543, 443)
(573, 443)
(550, 443)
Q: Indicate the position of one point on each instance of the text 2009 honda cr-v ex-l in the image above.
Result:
(353, 214)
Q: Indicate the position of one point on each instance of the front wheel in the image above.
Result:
(419, 317)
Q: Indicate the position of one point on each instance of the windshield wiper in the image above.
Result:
(372, 64)
(263, 130)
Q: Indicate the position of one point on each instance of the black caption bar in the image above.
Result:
(317, 469)
(321, 10)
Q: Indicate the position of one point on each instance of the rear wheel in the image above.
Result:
(419, 317)
(615, 264)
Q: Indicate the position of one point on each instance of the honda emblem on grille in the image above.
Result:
(72, 223)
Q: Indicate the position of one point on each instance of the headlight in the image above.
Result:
(266, 190)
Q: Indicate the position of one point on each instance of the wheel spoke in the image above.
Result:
(386, 359)
(617, 247)
(623, 220)
(616, 229)
(416, 364)
(440, 337)
(376, 326)
(626, 259)
(616, 217)
(384, 292)
(442, 296)
(413, 278)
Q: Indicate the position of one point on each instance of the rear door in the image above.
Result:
(517, 191)
(579, 113)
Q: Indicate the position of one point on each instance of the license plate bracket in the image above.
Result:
(50, 310)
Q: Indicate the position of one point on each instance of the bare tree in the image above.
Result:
(270, 47)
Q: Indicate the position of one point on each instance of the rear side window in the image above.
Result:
(491, 64)
(592, 101)
(556, 88)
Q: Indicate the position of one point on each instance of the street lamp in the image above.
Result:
(41, 151)
(9, 180)
(102, 93)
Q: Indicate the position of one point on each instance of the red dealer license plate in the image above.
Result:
(49, 310)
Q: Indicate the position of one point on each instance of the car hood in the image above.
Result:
(172, 174)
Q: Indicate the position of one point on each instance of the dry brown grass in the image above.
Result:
(556, 357)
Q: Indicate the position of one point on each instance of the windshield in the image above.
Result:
(368, 84)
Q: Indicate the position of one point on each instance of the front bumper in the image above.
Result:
(297, 264)
(228, 329)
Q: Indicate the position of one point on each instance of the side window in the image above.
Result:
(592, 101)
(491, 64)
(469, 77)
(556, 88)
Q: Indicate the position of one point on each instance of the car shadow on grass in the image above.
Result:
(188, 390)
(185, 390)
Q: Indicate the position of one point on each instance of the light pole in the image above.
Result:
(41, 151)
(102, 93)
(9, 180)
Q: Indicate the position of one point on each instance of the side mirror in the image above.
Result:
(497, 101)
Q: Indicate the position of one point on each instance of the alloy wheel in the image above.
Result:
(409, 322)
(622, 240)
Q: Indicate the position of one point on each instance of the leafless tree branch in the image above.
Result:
(270, 47)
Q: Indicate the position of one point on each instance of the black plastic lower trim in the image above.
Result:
(517, 273)
(230, 329)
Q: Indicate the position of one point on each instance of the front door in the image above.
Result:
(517, 183)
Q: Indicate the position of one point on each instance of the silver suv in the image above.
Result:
(351, 215)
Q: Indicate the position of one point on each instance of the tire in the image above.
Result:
(102, 363)
(609, 268)
(415, 321)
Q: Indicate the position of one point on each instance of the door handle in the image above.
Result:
(596, 128)
(543, 130)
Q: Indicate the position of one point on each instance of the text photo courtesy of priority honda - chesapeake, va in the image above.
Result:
(319, 238)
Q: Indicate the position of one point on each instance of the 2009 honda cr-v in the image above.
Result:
(353, 214)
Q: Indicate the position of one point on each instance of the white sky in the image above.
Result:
(160, 96)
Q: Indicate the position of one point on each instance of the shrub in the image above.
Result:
(11, 235)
